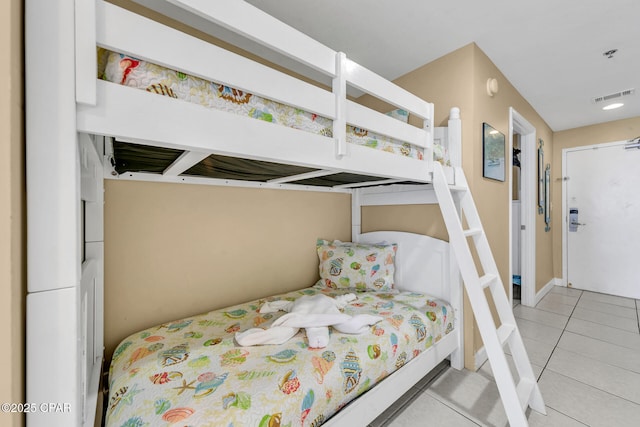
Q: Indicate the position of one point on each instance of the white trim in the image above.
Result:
(545, 290)
(455, 137)
(339, 86)
(302, 176)
(86, 55)
(247, 20)
(381, 88)
(363, 117)
(398, 195)
(51, 147)
(368, 183)
(456, 299)
(365, 409)
(518, 124)
(480, 358)
(120, 31)
(185, 179)
(184, 162)
(236, 135)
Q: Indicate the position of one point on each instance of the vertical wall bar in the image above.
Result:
(356, 214)
(428, 128)
(340, 92)
(455, 138)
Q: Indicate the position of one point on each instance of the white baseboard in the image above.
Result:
(547, 288)
(480, 358)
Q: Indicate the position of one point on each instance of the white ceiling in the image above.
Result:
(550, 50)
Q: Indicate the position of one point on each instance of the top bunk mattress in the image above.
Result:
(193, 371)
(129, 71)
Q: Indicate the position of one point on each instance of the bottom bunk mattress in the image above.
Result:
(192, 371)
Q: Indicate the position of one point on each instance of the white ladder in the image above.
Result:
(515, 398)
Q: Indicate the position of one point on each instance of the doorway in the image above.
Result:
(526, 234)
(601, 208)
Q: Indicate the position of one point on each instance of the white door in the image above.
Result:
(602, 205)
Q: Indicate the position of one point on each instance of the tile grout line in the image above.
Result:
(613, 311)
(601, 340)
(594, 387)
(564, 328)
(453, 407)
(559, 338)
(551, 355)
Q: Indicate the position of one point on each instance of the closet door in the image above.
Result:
(602, 204)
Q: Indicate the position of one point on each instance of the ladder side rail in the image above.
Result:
(503, 307)
(489, 266)
(479, 304)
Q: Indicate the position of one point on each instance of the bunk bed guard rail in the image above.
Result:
(121, 31)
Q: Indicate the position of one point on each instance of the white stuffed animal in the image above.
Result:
(314, 313)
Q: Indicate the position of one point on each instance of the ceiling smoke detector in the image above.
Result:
(609, 54)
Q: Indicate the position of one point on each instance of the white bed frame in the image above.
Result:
(425, 265)
(69, 113)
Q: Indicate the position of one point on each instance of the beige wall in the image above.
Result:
(618, 130)
(174, 250)
(487, 193)
(12, 196)
(459, 79)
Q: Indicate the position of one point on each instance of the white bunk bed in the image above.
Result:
(74, 120)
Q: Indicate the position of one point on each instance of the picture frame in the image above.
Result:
(493, 153)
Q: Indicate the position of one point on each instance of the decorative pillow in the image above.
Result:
(356, 265)
(402, 115)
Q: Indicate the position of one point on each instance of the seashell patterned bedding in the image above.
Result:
(129, 71)
(192, 371)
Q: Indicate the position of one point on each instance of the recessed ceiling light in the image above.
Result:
(613, 106)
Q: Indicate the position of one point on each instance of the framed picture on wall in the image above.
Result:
(493, 149)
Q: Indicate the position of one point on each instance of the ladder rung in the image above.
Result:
(472, 232)
(524, 389)
(488, 280)
(505, 331)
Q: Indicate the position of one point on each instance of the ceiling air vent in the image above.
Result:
(613, 96)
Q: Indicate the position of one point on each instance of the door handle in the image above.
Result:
(576, 223)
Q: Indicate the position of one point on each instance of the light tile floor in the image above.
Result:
(585, 350)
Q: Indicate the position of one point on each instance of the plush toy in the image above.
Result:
(314, 313)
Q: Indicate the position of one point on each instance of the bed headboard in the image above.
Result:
(422, 262)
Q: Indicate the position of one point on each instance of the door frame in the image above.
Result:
(518, 124)
(565, 212)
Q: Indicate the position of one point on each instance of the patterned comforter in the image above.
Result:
(192, 371)
(129, 71)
